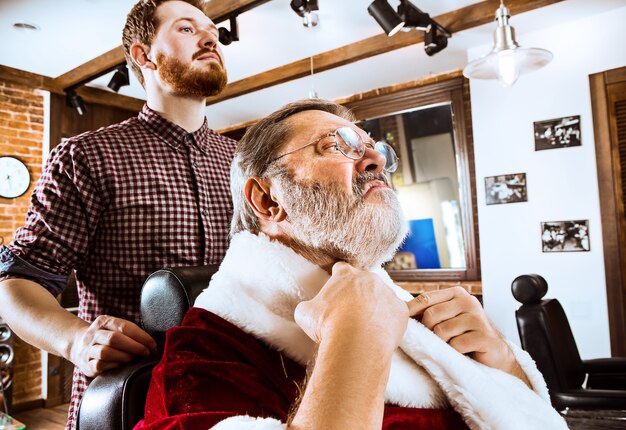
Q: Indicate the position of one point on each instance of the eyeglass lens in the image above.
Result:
(352, 146)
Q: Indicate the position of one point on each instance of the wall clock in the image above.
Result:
(14, 177)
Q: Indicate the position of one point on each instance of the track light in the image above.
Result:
(433, 41)
(74, 100)
(120, 78)
(408, 17)
(228, 36)
(305, 9)
(385, 16)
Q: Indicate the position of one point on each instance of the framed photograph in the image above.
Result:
(557, 133)
(565, 236)
(505, 189)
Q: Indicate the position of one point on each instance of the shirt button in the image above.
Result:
(194, 164)
(205, 212)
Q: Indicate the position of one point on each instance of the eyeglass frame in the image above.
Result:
(371, 143)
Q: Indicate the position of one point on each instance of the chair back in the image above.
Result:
(115, 400)
(546, 335)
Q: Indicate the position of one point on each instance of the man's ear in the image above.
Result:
(139, 54)
(263, 203)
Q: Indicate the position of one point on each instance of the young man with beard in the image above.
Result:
(301, 284)
(118, 203)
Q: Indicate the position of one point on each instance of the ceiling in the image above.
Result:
(73, 32)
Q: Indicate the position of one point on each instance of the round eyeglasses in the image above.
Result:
(350, 144)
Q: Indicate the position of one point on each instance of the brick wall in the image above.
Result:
(21, 136)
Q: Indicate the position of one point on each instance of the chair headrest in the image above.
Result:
(167, 294)
(528, 289)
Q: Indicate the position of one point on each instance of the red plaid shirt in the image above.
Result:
(118, 203)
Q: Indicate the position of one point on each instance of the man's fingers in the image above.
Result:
(129, 330)
(107, 353)
(419, 304)
(121, 342)
(457, 326)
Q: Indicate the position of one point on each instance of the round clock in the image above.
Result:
(14, 177)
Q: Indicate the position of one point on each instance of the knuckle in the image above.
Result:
(439, 331)
(423, 299)
(460, 291)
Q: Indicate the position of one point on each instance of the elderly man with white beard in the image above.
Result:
(301, 328)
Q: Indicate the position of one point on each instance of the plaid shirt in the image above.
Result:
(118, 203)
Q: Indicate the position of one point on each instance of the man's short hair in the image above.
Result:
(141, 26)
(261, 143)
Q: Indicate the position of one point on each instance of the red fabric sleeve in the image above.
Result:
(212, 370)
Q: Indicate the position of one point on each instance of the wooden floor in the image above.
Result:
(44, 419)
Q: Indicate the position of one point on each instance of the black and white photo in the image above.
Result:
(505, 189)
(565, 236)
(557, 133)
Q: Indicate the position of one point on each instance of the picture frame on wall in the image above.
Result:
(565, 236)
(557, 133)
(504, 189)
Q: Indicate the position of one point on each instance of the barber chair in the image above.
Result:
(546, 335)
(115, 399)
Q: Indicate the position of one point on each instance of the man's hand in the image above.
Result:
(354, 302)
(458, 318)
(107, 343)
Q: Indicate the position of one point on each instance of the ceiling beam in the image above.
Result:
(91, 68)
(454, 21)
(89, 94)
(216, 10)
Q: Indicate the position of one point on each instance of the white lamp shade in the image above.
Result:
(508, 64)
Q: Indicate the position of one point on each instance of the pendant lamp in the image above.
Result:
(507, 60)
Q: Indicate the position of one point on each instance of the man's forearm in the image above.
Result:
(36, 316)
(347, 386)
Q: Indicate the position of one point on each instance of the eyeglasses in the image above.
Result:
(350, 144)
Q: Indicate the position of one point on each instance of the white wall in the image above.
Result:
(562, 183)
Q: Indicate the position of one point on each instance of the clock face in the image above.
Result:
(14, 177)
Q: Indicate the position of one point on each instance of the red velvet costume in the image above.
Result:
(212, 370)
(222, 368)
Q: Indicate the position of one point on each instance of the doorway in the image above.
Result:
(608, 101)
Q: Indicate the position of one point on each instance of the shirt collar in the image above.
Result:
(172, 134)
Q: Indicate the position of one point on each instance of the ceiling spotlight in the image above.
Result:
(433, 41)
(410, 17)
(385, 16)
(413, 17)
(74, 100)
(305, 9)
(229, 36)
(507, 60)
(120, 78)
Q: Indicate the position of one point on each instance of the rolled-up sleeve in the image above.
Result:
(12, 266)
(60, 223)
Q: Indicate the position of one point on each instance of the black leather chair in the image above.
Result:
(546, 335)
(115, 399)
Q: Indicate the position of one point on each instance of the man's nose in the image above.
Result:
(208, 39)
(372, 161)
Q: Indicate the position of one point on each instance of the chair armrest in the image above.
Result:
(605, 365)
(115, 399)
(606, 373)
(590, 399)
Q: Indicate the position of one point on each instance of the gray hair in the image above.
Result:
(259, 146)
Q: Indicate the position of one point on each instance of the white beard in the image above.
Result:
(325, 219)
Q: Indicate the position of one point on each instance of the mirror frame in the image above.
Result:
(411, 95)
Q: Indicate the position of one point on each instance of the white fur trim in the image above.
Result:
(259, 284)
(487, 398)
(245, 422)
(532, 373)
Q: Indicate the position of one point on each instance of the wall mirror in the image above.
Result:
(428, 127)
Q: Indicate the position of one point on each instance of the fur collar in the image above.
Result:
(259, 284)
